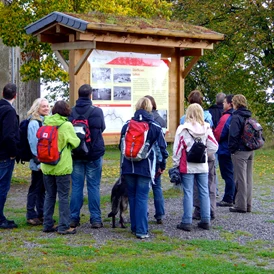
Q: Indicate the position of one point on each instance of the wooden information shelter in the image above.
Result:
(81, 33)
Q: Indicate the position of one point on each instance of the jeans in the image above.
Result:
(92, 170)
(158, 198)
(226, 169)
(6, 169)
(211, 190)
(202, 183)
(138, 190)
(36, 196)
(54, 185)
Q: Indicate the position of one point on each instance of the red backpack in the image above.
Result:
(47, 146)
(135, 146)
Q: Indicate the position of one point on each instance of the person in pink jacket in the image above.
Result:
(194, 127)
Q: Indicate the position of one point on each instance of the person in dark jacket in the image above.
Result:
(216, 110)
(9, 140)
(90, 166)
(139, 175)
(242, 157)
(224, 157)
(159, 202)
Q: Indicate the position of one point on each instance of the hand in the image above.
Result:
(12, 158)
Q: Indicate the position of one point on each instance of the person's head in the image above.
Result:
(195, 113)
(220, 98)
(85, 91)
(154, 106)
(40, 107)
(9, 91)
(195, 96)
(62, 108)
(228, 102)
(144, 103)
(239, 101)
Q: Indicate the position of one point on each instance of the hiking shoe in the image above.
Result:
(97, 225)
(8, 225)
(185, 227)
(34, 222)
(142, 236)
(236, 209)
(71, 230)
(49, 230)
(203, 225)
(74, 224)
(159, 221)
(223, 203)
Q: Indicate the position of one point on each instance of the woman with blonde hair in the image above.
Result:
(36, 194)
(194, 127)
(139, 174)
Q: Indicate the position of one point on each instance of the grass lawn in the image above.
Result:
(28, 250)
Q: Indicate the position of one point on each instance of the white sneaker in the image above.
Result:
(142, 236)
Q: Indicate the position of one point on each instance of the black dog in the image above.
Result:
(119, 201)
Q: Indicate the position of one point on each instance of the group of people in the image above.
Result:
(49, 180)
(222, 137)
(220, 128)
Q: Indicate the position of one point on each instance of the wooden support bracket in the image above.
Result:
(82, 60)
(62, 60)
(186, 71)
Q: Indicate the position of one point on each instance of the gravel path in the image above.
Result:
(238, 227)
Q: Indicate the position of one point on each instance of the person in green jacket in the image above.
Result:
(57, 177)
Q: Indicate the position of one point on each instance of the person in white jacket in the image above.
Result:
(196, 126)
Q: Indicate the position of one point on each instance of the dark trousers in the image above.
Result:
(226, 169)
(54, 185)
(36, 196)
(6, 169)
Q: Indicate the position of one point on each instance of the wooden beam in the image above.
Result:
(191, 52)
(146, 41)
(63, 30)
(186, 71)
(51, 38)
(72, 78)
(62, 60)
(165, 52)
(82, 60)
(73, 46)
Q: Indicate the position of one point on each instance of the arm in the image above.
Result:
(102, 119)
(178, 147)
(73, 140)
(162, 145)
(211, 143)
(235, 131)
(32, 129)
(219, 131)
(10, 132)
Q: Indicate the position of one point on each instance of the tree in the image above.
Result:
(244, 61)
(39, 60)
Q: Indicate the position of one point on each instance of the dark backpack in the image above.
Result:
(81, 128)
(197, 153)
(47, 146)
(252, 136)
(25, 154)
(135, 146)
